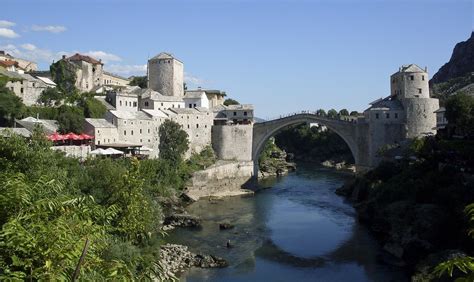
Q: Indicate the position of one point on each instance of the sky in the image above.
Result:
(282, 56)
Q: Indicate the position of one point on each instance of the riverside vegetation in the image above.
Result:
(51, 205)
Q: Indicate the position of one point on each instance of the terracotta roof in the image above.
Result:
(79, 57)
(8, 63)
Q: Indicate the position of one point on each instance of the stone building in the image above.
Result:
(166, 75)
(89, 71)
(27, 87)
(22, 63)
(103, 131)
(153, 100)
(111, 79)
(239, 114)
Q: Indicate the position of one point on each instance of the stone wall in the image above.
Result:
(80, 152)
(232, 142)
(225, 178)
(420, 116)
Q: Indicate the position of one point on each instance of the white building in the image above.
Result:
(27, 87)
(195, 99)
(153, 100)
(111, 79)
(103, 131)
(22, 63)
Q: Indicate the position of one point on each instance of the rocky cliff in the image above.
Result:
(460, 64)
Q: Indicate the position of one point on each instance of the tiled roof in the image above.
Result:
(8, 63)
(99, 123)
(5, 131)
(156, 96)
(79, 57)
(130, 115)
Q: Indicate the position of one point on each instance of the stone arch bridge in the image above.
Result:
(354, 133)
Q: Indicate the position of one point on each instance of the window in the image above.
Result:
(98, 131)
(190, 106)
(140, 131)
(422, 77)
(377, 116)
(98, 142)
(146, 104)
(235, 113)
(134, 104)
(124, 132)
(205, 126)
(245, 113)
(419, 90)
(188, 125)
(197, 125)
(412, 77)
(141, 140)
(148, 130)
(120, 103)
(162, 104)
(179, 106)
(396, 115)
(21, 90)
(195, 105)
(387, 115)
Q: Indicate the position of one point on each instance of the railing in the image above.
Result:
(338, 118)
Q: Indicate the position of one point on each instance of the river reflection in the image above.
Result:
(297, 230)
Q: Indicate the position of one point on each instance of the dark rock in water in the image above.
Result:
(225, 226)
(182, 220)
(209, 261)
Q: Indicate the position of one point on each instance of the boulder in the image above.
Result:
(182, 220)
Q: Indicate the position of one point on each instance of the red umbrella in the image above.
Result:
(55, 137)
(86, 136)
(72, 136)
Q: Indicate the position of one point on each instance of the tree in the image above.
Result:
(332, 113)
(93, 108)
(173, 142)
(64, 75)
(70, 119)
(230, 101)
(344, 112)
(321, 112)
(51, 96)
(140, 81)
(354, 113)
(11, 106)
(460, 112)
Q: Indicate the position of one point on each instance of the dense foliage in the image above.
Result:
(173, 142)
(460, 113)
(229, 101)
(313, 144)
(140, 81)
(11, 106)
(50, 205)
(64, 75)
(416, 205)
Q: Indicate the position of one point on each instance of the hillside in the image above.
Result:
(458, 73)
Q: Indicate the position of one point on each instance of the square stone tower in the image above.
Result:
(166, 75)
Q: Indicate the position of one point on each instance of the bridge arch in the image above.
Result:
(265, 130)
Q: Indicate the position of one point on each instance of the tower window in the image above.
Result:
(422, 77)
(245, 113)
(377, 116)
(124, 132)
(396, 115)
(235, 113)
(412, 77)
(387, 115)
(197, 125)
(419, 90)
(146, 104)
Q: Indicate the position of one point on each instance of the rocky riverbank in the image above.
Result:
(177, 258)
(276, 164)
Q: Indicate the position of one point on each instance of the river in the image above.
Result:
(296, 230)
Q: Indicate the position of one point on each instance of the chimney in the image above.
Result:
(426, 69)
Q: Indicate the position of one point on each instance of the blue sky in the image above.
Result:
(282, 56)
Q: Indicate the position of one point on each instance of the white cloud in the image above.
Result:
(106, 57)
(127, 70)
(28, 46)
(8, 33)
(49, 28)
(30, 52)
(4, 23)
(193, 80)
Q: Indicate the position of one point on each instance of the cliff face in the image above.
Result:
(460, 64)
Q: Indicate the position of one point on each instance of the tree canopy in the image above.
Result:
(229, 101)
(332, 113)
(11, 106)
(460, 112)
(140, 81)
(173, 142)
(64, 75)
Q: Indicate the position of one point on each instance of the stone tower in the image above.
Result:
(166, 75)
(410, 86)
